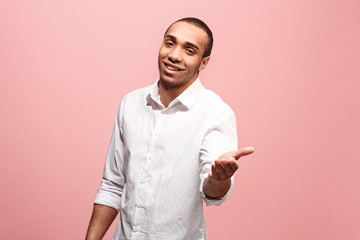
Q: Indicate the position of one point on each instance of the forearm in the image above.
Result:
(100, 221)
(216, 188)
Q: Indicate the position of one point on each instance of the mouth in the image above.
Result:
(172, 67)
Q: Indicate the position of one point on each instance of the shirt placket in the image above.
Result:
(145, 180)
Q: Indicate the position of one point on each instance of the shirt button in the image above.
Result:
(143, 180)
(135, 228)
(138, 205)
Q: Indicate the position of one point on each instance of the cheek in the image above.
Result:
(193, 64)
(162, 52)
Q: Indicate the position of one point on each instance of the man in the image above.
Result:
(163, 158)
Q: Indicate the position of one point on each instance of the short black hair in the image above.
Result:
(197, 22)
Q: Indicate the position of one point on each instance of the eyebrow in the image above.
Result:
(187, 43)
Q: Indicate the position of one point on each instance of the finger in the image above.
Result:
(220, 169)
(228, 169)
(243, 152)
(234, 165)
(214, 172)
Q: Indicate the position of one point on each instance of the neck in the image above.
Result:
(168, 94)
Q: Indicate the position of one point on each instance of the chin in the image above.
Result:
(169, 83)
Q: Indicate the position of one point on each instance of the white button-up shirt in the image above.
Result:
(158, 159)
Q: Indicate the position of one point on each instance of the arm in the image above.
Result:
(101, 219)
(107, 201)
(219, 179)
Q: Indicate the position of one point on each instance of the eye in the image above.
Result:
(169, 43)
(190, 51)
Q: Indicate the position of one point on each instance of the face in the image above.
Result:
(180, 55)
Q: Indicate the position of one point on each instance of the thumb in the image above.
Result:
(243, 152)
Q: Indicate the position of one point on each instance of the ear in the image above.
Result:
(204, 62)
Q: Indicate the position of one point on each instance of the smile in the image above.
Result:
(172, 67)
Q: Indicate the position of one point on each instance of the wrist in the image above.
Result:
(218, 182)
(216, 188)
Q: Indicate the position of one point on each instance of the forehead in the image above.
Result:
(187, 32)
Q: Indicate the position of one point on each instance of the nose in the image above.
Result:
(175, 55)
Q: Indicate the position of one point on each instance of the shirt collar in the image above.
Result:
(187, 97)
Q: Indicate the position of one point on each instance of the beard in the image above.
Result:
(170, 84)
(180, 81)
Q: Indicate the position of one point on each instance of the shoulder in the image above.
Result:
(210, 101)
(212, 110)
(134, 100)
(138, 93)
(136, 97)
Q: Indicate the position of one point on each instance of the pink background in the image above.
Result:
(289, 69)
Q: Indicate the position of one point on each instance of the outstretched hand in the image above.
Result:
(226, 165)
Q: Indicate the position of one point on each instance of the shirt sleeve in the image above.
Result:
(220, 138)
(113, 179)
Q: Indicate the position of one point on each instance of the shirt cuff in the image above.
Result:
(215, 201)
(108, 199)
